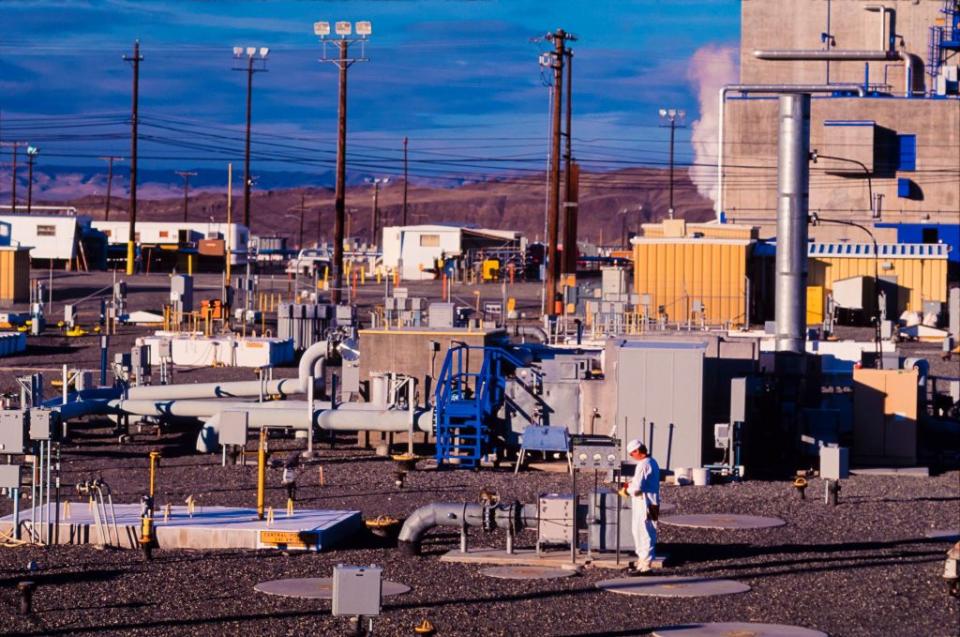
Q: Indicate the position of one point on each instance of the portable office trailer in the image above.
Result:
(14, 275)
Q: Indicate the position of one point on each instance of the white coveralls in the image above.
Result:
(646, 483)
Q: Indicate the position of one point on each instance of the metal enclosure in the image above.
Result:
(181, 292)
(556, 513)
(13, 432)
(660, 399)
(441, 315)
(43, 424)
(9, 476)
(603, 522)
(357, 590)
(834, 463)
(233, 427)
(304, 324)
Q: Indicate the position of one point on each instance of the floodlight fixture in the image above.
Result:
(321, 29)
(663, 112)
(672, 112)
(237, 51)
(251, 51)
(364, 28)
(263, 52)
(343, 29)
(33, 150)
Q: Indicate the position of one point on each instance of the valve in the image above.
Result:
(800, 484)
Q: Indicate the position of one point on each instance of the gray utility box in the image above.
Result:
(556, 519)
(834, 463)
(660, 399)
(13, 431)
(233, 427)
(602, 522)
(181, 291)
(441, 315)
(43, 424)
(357, 590)
(9, 476)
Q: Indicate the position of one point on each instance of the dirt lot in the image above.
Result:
(861, 568)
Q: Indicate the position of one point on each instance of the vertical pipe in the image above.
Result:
(793, 177)
(261, 471)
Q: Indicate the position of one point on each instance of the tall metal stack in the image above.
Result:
(303, 323)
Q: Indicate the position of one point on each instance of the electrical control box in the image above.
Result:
(555, 512)
(44, 424)
(13, 432)
(140, 358)
(834, 463)
(602, 521)
(596, 453)
(9, 476)
(357, 590)
(233, 427)
(181, 291)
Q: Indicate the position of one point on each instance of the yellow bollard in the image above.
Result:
(270, 516)
(191, 505)
(396, 278)
(379, 276)
(154, 461)
(262, 473)
(363, 276)
(190, 265)
(289, 507)
(323, 482)
(130, 258)
(66, 509)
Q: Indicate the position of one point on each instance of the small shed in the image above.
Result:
(14, 275)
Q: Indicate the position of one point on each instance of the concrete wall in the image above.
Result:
(750, 174)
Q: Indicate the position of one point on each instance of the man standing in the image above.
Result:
(644, 492)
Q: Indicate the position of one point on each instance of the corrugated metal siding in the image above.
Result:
(14, 276)
(923, 279)
(677, 274)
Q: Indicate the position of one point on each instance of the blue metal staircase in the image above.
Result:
(466, 404)
(943, 37)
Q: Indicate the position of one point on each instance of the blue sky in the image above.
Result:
(460, 78)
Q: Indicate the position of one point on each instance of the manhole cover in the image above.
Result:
(722, 521)
(316, 588)
(673, 586)
(947, 535)
(527, 572)
(736, 629)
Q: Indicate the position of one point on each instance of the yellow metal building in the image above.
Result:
(14, 275)
(679, 264)
(918, 269)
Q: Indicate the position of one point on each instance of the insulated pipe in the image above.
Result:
(775, 89)
(312, 359)
(532, 330)
(914, 65)
(793, 192)
(460, 514)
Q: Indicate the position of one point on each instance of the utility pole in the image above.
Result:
(674, 119)
(405, 180)
(186, 190)
(300, 238)
(32, 152)
(136, 58)
(343, 62)
(571, 175)
(250, 53)
(229, 221)
(556, 61)
(109, 160)
(375, 212)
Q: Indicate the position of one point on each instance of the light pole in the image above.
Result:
(251, 54)
(375, 213)
(32, 152)
(672, 118)
(343, 62)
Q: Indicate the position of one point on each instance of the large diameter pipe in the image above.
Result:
(311, 364)
(770, 89)
(913, 70)
(459, 514)
(793, 191)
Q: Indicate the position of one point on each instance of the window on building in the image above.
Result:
(46, 231)
(907, 158)
(164, 234)
(429, 241)
(931, 235)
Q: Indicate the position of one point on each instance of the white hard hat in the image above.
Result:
(636, 444)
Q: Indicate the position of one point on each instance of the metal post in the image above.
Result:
(405, 179)
(31, 157)
(341, 175)
(246, 150)
(793, 180)
(673, 130)
(261, 471)
(311, 390)
(136, 58)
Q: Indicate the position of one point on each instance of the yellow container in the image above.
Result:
(815, 305)
(491, 269)
(14, 275)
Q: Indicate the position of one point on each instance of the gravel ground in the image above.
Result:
(862, 568)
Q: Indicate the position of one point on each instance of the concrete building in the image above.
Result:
(415, 249)
(889, 112)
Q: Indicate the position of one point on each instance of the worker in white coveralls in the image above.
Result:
(644, 492)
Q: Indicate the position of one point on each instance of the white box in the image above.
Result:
(834, 463)
(357, 590)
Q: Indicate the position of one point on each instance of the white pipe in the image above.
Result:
(911, 71)
(314, 357)
(772, 89)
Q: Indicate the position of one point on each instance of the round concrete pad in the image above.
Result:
(722, 521)
(667, 507)
(947, 535)
(657, 586)
(527, 572)
(316, 588)
(736, 629)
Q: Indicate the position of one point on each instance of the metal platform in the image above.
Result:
(212, 527)
(673, 586)
(316, 588)
(551, 559)
(736, 629)
(725, 521)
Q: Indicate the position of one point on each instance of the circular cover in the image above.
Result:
(722, 521)
(947, 535)
(736, 629)
(527, 572)
(316, 588)
(658, 586)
